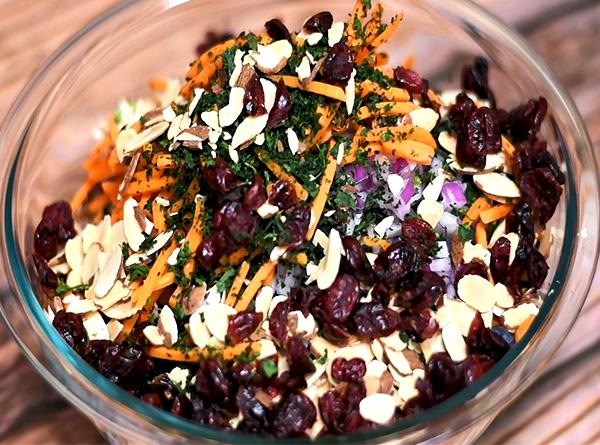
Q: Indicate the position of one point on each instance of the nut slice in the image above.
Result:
(270, 59)
(377, 408)
(497, 184)
(167, 326)
(145, 137)
(95, 327)
(477, 292)
(216, 317)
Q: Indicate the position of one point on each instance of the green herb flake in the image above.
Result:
(269, 368)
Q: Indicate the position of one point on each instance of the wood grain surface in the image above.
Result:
(562, 407)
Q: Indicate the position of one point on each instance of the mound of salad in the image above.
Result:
(299, 240)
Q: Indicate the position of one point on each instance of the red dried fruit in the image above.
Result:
(460, 113)
(335, 333)
(53, 231)
(237, 220)
(293, 415)
(541, 191)
(419, 230)
(352, 370)
(242, 325)
(254, 97)
(182, 406)
(211, 39)
(475, 78)
(525, 120)
(153, 399)
(500, 256)
(288, 382)
(400, 259)
(213, 247)
(295, 228)
(281, 106)
(419, 327)
(212, 383)
(355, 261)
(520, 221)
(481, 137)
(256, 194)
(339, 301)
(421, 292)
(277, 30)
(298, 357)
(380, 293)
(410, 80)
(220, 177)
(532, 155)
(482, 340)
(374, 320)
(242, 372)
(70, 327)
(339, 408)
(319, 22)
(302, 298)
(255, 414)
(338, 64)
(46, 276)
(283, 195)
(474, 267)
(278, 321)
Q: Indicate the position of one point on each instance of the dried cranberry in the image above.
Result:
(482, 137)
(277, 30)
(529, 263)
(153, 399)
(242, 372)
(520, 221)
(289, 382)
(254, 97)
(293, 415)
(473, 267)
(242, 325)
(482, 340)
(319, 22)
(212, 383)
(94, 350)
(213, 247)
(301, 298)
(352, 370)
(295, 228)
(541, 191)
(220, 177)
(410, 80)
(419, 230)
(525, 120)
(474, 366)
(398, 260)
(500, 257)
(127, 366)
(534, 154)
(46, 276)
(338, 64)
(283, 195)
(298, 357)
(182, 406)
(53, 231)
(443, 378)
(339, 301)
(163, 385)
(335, 333)
(475, 78)
(252, 409)
(419, 326)
(281, 106)
(237, 220)
(460, 113)
(422, 292)
(374, 320)
(256, 194)
(339, 408)
(211, 39)
(70, 327)
(380, 293)
(355, 260)
(278, 321)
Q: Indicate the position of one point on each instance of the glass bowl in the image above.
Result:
(48, 133)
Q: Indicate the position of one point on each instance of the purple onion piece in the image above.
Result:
(453, 195)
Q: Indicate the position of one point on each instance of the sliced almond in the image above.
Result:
(131, 168)
(114, 329)
(329, 267)
(78, 306)
(167, 326)
(303, 71)
(229, 113)
(123, 139)
(301, 326)
(454, 343)
(270, 90)
(498, 232)
(434, 188)
(121, 310)
(377, 408)
(267, 349)
(133, 231)
(95, 327)
(475, 251)
(145, 137)
(153, 335)
(497, 184)
(272, 58)
(457, 313)
(335, 33)
(432, 345)
(90, 263)
(398, 361)
(514, 317)
(89, 235)
(119, 292)
(477, 292)
(109, 273)
(248, 129)
(192, 302)
(395, 184)
(198, 331)
(263, 301)
(503, 297)
(382, 227)
(159, 242)
(376, 368)
(393, 342)
(350, 91)
(430, 211)
(424, 117)
(447, 142)
(407, 387)
(293, 141)
(216, 317)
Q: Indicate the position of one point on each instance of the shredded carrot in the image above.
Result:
(495, 213)
(404, 131)
(315, 87)
(410, 150)
(387, 32)
(140, 184)
(194, 355)
(508, 147)
(163, 161)
(278, 171)
(326, 115)
(259, 279)
(299, 258)
(165, 280)
(234, 258)
(158, 217)
(194, 235)
(318, 204)
(97, 205)
(371, 242)
(475, 210)
(409, 61)
(208, 56)
(128, 325)
(158, 84)
(386, 109)
(358, 14)
(481, 234)
(237, 284)
(81, 195)
(158, 269)
(392, 94)
(523, 328)
(357, 140)
(113, 130)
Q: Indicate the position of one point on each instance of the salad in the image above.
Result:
(300, 240)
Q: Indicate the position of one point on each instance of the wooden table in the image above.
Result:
(562, 407)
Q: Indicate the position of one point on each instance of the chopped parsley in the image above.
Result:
(269, 368)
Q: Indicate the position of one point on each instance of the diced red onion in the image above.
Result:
(399, 165)
(407, 192)
(453, 195)
(358, 172)
(441, 265)
(449, 223)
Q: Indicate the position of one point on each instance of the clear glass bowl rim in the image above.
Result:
(167, 421)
